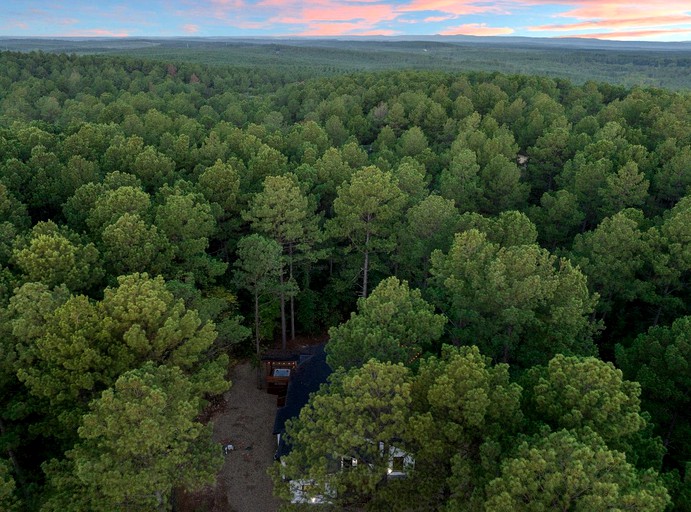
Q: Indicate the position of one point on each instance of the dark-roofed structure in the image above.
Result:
(309, 375)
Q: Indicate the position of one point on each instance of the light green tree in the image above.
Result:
(393, 324)
(361, 415)
(53, 255)
(586, 393)
(112, 204)
(367, 209)
(466, 414)
(8, 502)
(220, 184)
(506, 229)
(73, 348)
(562, 471)
(132, 245)
(140, 439)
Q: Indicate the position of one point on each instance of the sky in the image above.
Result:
(643, 20)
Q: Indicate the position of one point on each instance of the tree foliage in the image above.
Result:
(393, 324)
(560, 470)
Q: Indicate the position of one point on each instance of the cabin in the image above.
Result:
(309, 373)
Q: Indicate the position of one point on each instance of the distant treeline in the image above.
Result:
(629, 64)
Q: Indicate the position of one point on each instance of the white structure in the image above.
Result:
(400, 462)
(303, 492)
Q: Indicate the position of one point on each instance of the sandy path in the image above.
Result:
(247, 423)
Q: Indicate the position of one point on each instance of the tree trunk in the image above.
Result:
(365, 267)
(161, 502)
(670, 430)
(292, 298)
(505, 355)
(12, 455)
(256, 322)
(659, 309)
(283, 313)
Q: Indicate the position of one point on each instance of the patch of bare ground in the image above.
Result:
(246, 422)
(243, 417)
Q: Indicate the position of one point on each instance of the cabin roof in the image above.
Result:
(306, 379)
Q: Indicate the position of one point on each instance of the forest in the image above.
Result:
(501, 261)
(630, 64)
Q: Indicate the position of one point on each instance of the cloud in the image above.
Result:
(94, 32)
(15, 24)
(330, 17)
(190, 28)
(437, 19)
(476, 29)
(333, 17)
(660, 21)
(453, 7)
(632, 34)
(589, 10)
(344, 29)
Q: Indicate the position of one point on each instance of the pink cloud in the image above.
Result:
(633, 34)
(190, 28)
(332, 17)
(343, 29)
(618, 23)
(437, 19)
(454, 7)
(372, 13)
(476, 29)
(94, 32)
(615, 9)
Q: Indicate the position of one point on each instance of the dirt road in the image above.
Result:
(243, 484)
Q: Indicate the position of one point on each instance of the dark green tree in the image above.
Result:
(518, 303)
(281, 212)
(660, 360)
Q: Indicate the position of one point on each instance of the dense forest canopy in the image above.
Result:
(502, 263)
(627, 63)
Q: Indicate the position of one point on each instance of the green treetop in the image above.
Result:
(367, 210)
(361, 415)
(393, 324)
(257, 270)
(561, 471)
(518, 304)
(139, 440)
